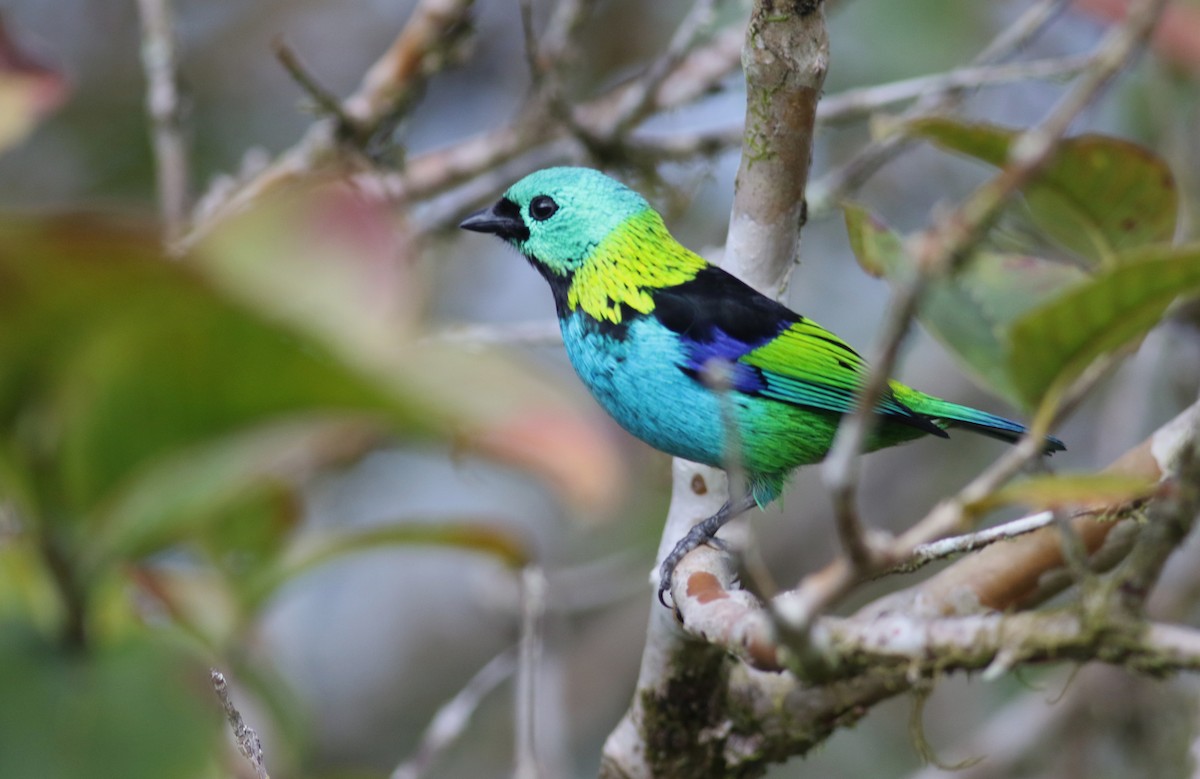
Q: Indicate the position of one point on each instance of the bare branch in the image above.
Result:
(451, 719)
(835, 185)
(998, 642)
(247, 740)
(926, 553)
(855, 103)
(533, 610)
(388, 90)
(165, 108)
(785, 59)
(324, 101)
(638, 101)
(424, 47)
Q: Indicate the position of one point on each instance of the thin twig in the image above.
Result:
(451, 720)
(387, 90)
(326, 102)
(562, 30)
(425, 46)
(533, 611)
(855, 103)
(247, 740)
(926, 553)
(532, 59)
(834, 186)
(165, 108)
(639, 101)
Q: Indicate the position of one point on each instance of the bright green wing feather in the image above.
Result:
(807, 365)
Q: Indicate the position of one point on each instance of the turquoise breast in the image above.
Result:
(637, 379)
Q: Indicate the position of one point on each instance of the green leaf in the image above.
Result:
(139, 710)
(180, 493)
(1058, 491)
(879, 250)
(1051, 345)
(1099, 196)
(112, 358)
(971, 311)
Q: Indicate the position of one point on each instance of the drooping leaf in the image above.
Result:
(879, 250)
(1054, 343)
(1059, 491)
(179, 492)
(970, 311)
(1100, 195)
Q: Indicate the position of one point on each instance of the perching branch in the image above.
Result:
(785, 57)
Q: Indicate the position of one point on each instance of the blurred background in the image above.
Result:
(341, 662)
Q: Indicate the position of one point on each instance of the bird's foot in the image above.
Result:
(700, 534)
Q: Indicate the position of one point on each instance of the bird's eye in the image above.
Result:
(542, 207)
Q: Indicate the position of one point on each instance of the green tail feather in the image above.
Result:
(967, 418)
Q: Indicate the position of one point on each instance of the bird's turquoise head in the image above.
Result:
(557, 216)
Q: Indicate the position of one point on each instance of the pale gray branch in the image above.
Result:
(165, 108)
(533, 611)
(452, 718)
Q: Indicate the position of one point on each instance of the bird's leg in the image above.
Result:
(704, 532)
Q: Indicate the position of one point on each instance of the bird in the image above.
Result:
(645, 320)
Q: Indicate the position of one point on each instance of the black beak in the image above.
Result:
(502, 219)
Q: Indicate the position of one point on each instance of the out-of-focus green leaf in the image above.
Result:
(486, 537)
(112, 358)
(1100, 195)
(28, 91)
(1054, 343)
(971, 311)
(27, 590)
(1058, 491)
(140, 709)
(879, 250)
(340, 268)
(178, 493)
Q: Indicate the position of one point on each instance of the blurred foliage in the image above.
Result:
(1028, 325)
(1062, 491)
(158, 417)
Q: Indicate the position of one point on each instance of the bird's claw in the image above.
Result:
(698, 536)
